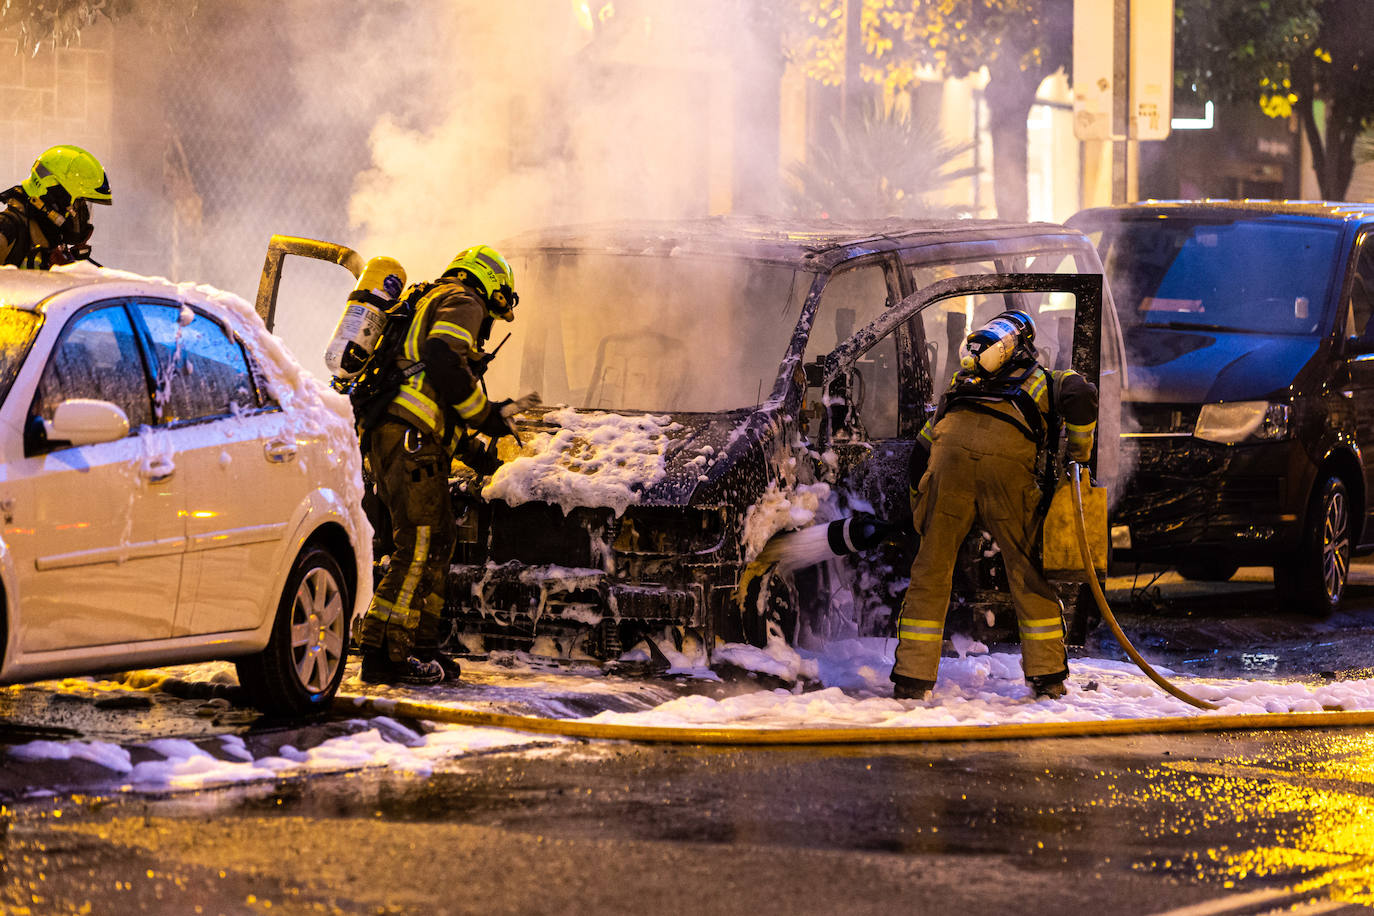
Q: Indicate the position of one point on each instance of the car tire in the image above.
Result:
(1314, 580)
(770, 603)
(1208, 570)
(300, 669)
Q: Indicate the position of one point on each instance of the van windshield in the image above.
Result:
(1264, 275)
(651, 333)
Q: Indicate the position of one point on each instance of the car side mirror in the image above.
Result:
(83, 421)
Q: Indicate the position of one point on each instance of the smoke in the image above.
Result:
(570, 112)
(415, 128)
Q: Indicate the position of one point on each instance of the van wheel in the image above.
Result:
(1208, 570)
(770, 604)
(1314, 580)
(301, 667)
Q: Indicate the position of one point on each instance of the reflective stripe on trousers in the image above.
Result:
(412, 481)
(981, 468)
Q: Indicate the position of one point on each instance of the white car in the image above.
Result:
(173, 489)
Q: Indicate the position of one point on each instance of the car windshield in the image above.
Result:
(653, 333)
(17, 330)
(1262, 275)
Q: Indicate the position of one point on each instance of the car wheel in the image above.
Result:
(1208, 570)
(300, 669)
(770, 604)
(1314, 580)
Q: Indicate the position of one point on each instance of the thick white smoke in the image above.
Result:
(565, 112)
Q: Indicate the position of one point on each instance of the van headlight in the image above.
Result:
(1243, 421)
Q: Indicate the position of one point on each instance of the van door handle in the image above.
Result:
(280, 451)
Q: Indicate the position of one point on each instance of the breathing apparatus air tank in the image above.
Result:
(364, 317)
(988, 349)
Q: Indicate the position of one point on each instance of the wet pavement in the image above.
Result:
(1222, 824)
(1187, 824)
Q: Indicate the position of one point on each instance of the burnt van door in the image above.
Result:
(278, 247)
(1045, 294)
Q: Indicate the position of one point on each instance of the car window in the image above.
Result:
(875, 389)
(201, 370)
(97, 357)
(649, 332)
(948, 322)
(18, 328)
(923, 275)
(850, 301)
(1256, 275)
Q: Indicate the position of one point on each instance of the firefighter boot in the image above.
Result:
(378, 668)
(428, 638)
(1048, 685)
(910, 688)
(447, 663)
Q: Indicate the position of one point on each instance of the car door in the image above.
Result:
(100, 527)
(1352, 403)
(240, 465)
(1070, 304)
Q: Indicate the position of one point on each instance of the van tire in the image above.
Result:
(770, 608)
(299, 671)
(1314, 580)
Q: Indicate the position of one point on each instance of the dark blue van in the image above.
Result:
(1248, 406)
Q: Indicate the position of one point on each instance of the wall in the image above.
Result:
(54, 96)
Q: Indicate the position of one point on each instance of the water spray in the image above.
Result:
(792, 550)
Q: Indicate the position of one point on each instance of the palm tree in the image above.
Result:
(894, 163)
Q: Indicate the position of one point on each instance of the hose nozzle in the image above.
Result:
(858, 533)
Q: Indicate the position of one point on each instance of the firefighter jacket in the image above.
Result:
(28, 238)
(446, 334)
(1030, 399)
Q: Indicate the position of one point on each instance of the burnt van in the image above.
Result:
(709, 384)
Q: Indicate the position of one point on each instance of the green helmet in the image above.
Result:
(64, 174)
(485, 267)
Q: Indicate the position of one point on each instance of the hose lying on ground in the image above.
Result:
(868, 734)
(1076, 473)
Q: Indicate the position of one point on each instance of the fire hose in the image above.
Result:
(1076, 474)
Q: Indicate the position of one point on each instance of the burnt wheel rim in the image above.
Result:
(1335, 545)
(317, 630)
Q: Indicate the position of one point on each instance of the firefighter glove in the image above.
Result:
(482, 459)
(497, 422)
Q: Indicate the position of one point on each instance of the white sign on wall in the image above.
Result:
(1151, 68)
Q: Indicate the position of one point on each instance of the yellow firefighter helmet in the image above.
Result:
(492, 273)
(62, 175)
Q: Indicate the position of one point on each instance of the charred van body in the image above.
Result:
(719, 381)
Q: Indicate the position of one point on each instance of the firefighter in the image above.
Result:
(410, 452)
(978, 457)
(47, 220)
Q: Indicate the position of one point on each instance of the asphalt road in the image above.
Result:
(1185, 825)
(1190, 825)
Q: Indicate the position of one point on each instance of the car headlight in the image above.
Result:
(1243, 421)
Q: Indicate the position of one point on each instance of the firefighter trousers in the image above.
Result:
(411, 471)
(984, 468)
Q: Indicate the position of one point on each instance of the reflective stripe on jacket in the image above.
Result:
(1076, 400)
(445, 333)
